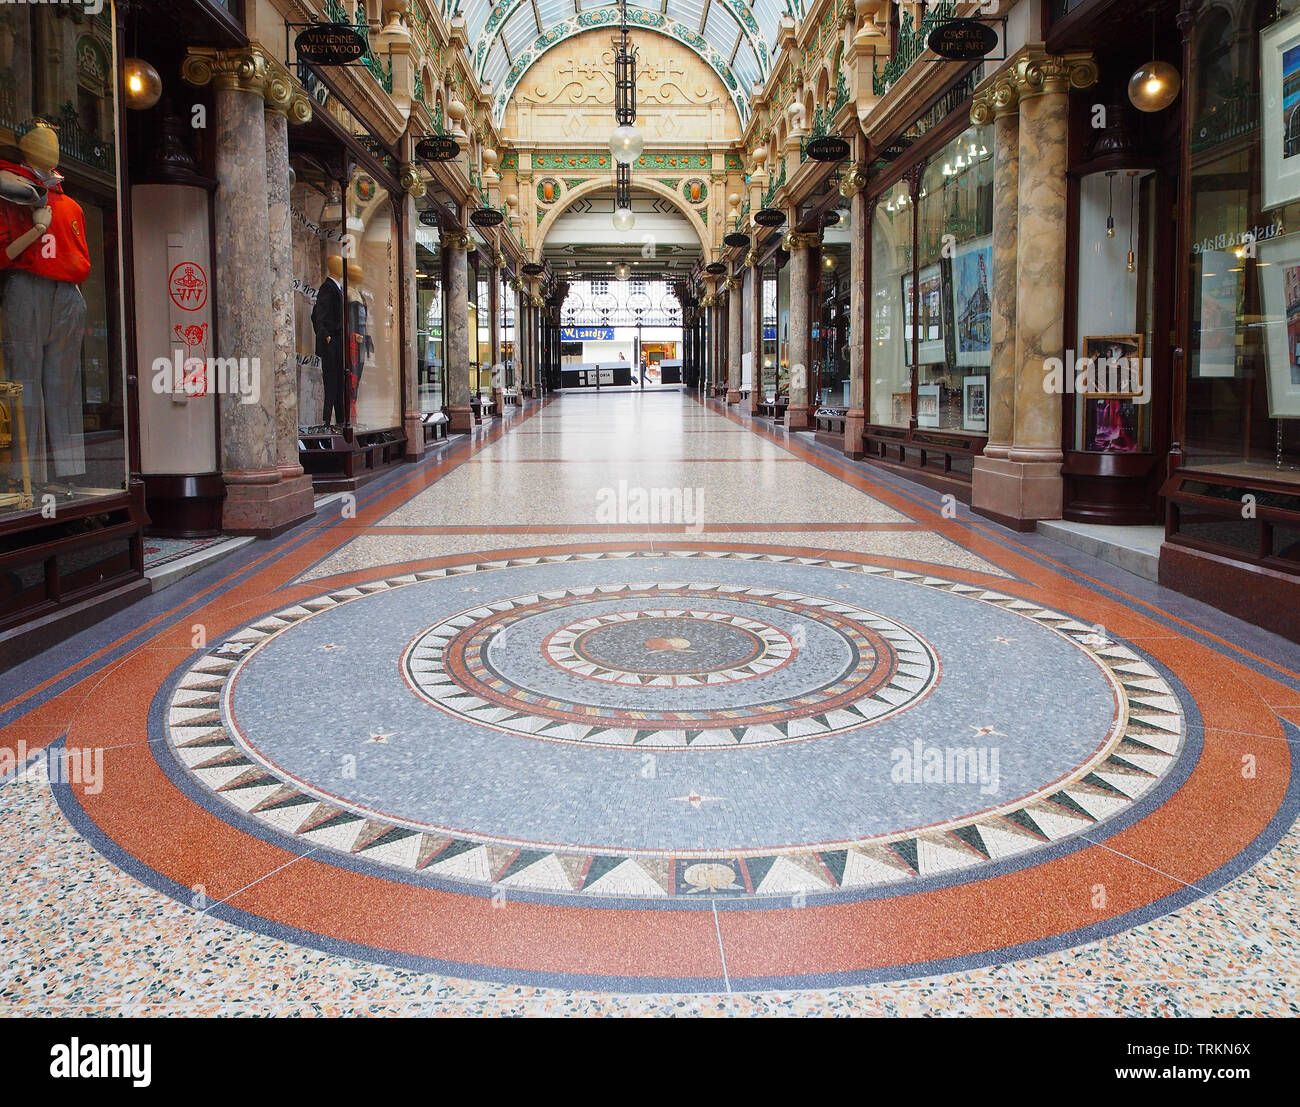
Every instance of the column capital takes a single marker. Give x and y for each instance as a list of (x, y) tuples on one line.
[(853, 181), (751, 258), (248, 69), (797, 240), (411, 180), (458, 240), (1037, 72), (1001, 97)]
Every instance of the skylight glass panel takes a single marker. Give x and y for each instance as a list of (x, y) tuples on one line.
[(721, 30), (520, 29), (745, 67), (768, 14), (475, 13), (689, 12), (554, 11), (497, 65)]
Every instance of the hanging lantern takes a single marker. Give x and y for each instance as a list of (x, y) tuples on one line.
[(141, 85)]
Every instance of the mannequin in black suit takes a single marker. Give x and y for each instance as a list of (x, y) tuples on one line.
[(327, 322)]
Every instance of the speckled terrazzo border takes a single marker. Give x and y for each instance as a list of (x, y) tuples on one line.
[(1056, 820)]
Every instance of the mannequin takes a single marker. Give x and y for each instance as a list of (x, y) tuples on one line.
[(327, 322), (359, 343), (44, 258)]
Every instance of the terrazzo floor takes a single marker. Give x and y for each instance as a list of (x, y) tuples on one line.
[(629, 705)]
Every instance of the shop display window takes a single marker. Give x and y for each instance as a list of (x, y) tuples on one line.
[(891, 277), (345, 246), (831, 317), (783, 329), (482, 333), (430, 315), (1116, 283), (768, 363), (506, 329), (62, 381), (1242, 415)]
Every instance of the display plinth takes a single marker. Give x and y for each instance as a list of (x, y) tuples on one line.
[(335, 464)]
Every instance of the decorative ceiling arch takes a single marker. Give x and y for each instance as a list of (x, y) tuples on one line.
[(605, 17), (639, 184), (503, 13)]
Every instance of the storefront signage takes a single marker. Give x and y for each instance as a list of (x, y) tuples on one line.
[(327, 233), (187, 284), (715, 268), (430, 218), (304, 289), (329, 44), (828, 148), (735, 238), (769, 217), (586, 334), (533, 268), (486, 217), (962, 40), (437, 148), (1237, 238), (309, 361)]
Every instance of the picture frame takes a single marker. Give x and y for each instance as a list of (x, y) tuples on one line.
[(1279, 47), (927, 405), (1114, 425), (1103, 347), (1280, 297), (975, 403), (932, 347), (901, 408), (972, 302)]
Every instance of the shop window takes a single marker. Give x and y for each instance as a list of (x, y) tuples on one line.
[(430, 316), (1114, 312), (770, 356), (891, 290), (62, 382), (783, 330), (1242, 414)]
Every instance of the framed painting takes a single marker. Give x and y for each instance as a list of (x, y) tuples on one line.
[(972, 302), (974, 403), (1279, 48), (1280, 293)]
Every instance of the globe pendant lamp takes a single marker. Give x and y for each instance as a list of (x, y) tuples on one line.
[(141, 85), (626, 144), (1154, 85), (624, 220)]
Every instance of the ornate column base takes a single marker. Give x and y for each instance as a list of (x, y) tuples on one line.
[(411, 423), (1017, 493), (462, 419), (796, 417), (733, 395), (855, 423), (288, 472), (263, 503)]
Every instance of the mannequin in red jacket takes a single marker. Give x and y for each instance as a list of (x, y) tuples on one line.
[(44, 255)]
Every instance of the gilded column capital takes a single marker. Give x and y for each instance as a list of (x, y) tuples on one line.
[(751, 258), (1000, 98), (516, 284), (458, 240), (797, 240), (853, 181), (730, 284), (1036, 72), (248, 69), (411, 180), (499, 260)]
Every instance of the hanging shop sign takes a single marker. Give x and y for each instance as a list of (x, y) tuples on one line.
[(769, 217), (828, 148), (715, 268), (963, 40), (486, 217), (329, 44), (437, 148), (586, 334), (735, 238), (533, 268), (429, 217)]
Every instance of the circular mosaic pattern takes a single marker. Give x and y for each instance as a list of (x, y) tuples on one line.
[(1141, 744), (479, 665), (662, 649)]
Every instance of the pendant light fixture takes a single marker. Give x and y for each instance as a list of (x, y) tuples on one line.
[(1155, 84), (141, 86), (625, 143), (1132, 218), (1110, 209)]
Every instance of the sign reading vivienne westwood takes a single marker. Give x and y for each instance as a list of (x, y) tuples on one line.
[(329, 44), (328, 233)]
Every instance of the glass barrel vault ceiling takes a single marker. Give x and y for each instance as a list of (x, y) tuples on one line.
[(741, 31)]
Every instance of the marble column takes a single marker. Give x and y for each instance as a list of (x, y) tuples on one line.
[(459, 412), (261, 496), (280, 252), (735, 337), (801, 248), (860, 214), (1025, 483), (410, 308)]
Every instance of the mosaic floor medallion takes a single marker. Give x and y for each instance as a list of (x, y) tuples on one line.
[(745, 726), (481, 665)]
